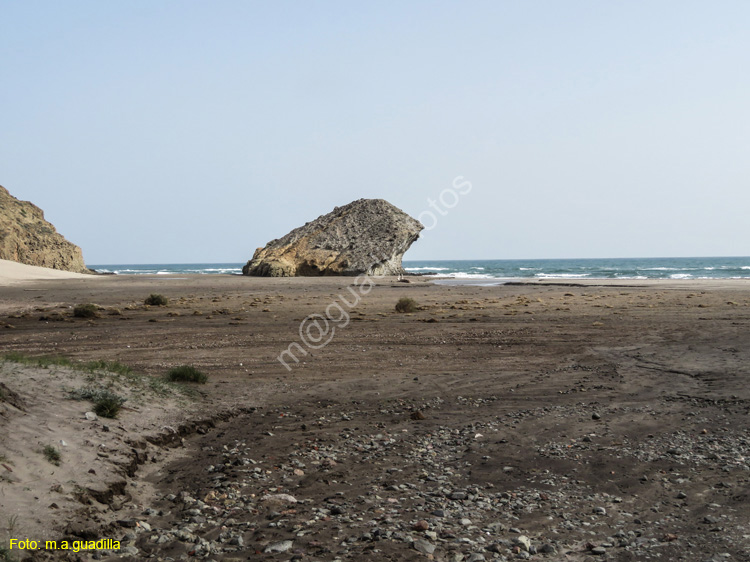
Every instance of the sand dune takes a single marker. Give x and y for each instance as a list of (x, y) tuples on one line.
[(13, 272)]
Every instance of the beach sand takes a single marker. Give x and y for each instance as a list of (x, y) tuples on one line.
[(599, 420), (13, 273)]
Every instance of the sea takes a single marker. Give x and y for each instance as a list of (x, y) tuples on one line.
[(500, 271)]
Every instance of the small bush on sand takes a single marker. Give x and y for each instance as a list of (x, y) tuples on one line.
[(52, 455), (156, 300), (108, 405), (186, 373), (406, 304), (86, 311)]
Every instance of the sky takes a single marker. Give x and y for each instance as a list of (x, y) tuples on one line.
[(191, 131)]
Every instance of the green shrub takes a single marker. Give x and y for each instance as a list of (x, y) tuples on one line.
[(406, 304), (156, 300), (108, 406), (86, 311), (52, 455), (186, 373)]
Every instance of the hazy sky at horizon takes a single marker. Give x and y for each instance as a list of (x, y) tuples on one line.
[(187, 131)]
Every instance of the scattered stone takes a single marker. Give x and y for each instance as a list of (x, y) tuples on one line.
[(279, 498), (423, 546), (523, 542), (282, 546)]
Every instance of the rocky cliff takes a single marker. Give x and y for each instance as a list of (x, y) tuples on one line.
[(365, 236), (25, 237)]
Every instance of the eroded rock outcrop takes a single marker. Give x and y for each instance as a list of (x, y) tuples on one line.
[(26, 237), (365, 236)]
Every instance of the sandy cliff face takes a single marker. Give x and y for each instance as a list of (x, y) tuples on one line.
[(365, 236), (25, 237)]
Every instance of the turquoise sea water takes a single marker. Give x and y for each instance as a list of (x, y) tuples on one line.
[(492, 270)]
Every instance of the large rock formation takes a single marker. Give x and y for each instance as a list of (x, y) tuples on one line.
[(365, 236), (25, 237)]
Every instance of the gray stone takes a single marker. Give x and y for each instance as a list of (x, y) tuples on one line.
[(282, 546), (424, 546), (522, 542)]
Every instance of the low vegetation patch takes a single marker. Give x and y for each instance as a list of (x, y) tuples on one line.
[(88, 366), (5, 555), (106, 381), (109, 366), (405, 304), (52, 454), (186, 373), (156, 300), (87, 310), (108, 406)]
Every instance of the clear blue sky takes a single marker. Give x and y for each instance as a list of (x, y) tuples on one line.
[(192, 131)]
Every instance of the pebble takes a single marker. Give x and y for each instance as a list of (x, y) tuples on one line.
[(282, 546), (279, 498), (421, 525), (424, 546), (522, 542)]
